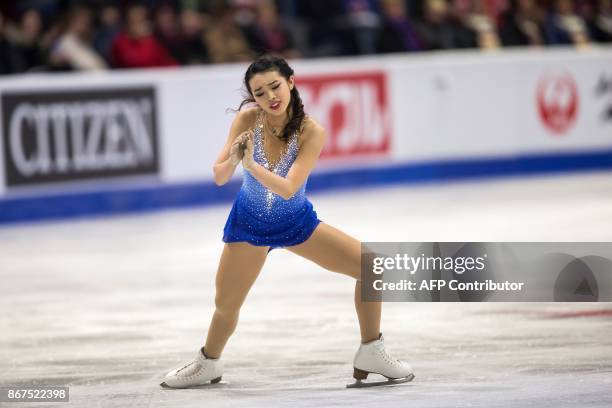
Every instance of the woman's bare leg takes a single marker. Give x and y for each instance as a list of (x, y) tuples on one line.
[(239, 266), (338, 252)]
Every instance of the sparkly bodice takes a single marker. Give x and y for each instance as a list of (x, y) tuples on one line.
[(259, 200)]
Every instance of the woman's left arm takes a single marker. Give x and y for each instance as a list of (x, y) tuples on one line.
[(314, 140)]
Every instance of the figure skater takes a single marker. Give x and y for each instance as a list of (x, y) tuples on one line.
[(278, 146)]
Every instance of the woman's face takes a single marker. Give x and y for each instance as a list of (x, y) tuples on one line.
[(271, 91)]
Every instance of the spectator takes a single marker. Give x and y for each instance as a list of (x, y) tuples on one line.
[(398, 33), (73, 49), (291, 15), (32, 37), (360, 26), (10, 59), (136, 46), (563, 26), (269, 34), (324, 38), (244, 12), (110, 27), (27, 39), (168, 32), (192, 26), (475, 17), (522, 24), (438, 31), (224, 40), (600, 25)]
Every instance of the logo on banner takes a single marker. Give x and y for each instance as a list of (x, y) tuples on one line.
[(603, 89), (557, 100), (354, 108), (79, 134)]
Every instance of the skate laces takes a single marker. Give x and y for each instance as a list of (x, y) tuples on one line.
[(380, 346), (196, 367), (189, 372)]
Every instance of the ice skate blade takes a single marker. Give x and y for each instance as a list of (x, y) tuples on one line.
[(389, 381), (214, 381)]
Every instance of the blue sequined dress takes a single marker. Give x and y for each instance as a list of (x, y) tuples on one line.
[(263, 218)]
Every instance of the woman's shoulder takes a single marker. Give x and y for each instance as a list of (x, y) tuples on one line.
[(311, 129), (247, 116)]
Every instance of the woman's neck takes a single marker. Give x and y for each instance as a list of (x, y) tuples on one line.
[(277, 121), (280, 120)]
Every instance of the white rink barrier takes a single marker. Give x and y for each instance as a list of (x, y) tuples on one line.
[(81, 143)]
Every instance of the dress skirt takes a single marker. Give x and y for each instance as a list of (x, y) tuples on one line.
[(282, 230)]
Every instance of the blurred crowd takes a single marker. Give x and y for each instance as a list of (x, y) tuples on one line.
[(60, 35)]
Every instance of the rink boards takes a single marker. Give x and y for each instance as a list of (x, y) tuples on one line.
[(80, 144)]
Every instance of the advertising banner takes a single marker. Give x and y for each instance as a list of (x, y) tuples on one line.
[(388, 119), (79, 134)]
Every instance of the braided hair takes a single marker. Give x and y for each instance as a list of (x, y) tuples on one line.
[(266, 63)]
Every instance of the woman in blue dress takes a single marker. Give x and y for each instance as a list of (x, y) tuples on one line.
[(278, 146)]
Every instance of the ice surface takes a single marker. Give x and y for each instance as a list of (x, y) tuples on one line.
[(106, 306)]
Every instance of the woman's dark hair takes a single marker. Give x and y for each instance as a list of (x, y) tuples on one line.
[(267, 63)]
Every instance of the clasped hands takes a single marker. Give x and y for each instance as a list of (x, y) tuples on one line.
[(242, 150)]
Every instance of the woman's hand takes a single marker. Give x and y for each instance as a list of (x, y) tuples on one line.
[(247, 156), (238, 147)]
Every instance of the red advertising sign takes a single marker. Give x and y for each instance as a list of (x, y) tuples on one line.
[(353, 108), (557, 101)]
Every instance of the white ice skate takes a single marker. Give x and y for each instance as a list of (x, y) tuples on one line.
[(373, 358), (201, 371)]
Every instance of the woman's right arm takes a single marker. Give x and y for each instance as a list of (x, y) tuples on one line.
[(223, 167)]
